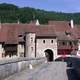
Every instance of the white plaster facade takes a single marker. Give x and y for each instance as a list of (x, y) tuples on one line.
[(30, 45), (41, 47), (78, 44), (20, 50), (78, 52), (1, 50), (37, 48)]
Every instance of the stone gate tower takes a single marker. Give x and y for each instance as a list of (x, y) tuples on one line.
[(30, 45)]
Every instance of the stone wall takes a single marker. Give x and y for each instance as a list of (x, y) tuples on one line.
[(41, 47), (30, 45), (1, 50), (20, 50), (11, 66)]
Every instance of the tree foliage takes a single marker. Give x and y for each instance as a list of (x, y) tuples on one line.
[(10, 13)]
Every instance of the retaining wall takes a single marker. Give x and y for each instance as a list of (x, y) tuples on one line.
[(11, 66)]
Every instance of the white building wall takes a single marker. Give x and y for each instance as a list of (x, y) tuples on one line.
[(1, 50), (30, 45), (20, 50), (78, 52), (41, 47), (79, 45)]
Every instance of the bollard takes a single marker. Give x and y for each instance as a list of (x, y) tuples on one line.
[(30, 66)]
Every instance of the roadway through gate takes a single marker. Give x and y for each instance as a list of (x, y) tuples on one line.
[(47, 71)]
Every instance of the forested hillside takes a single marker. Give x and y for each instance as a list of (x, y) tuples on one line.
[(10, 13)]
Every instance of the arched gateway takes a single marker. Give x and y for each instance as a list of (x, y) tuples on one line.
[(49, 54)]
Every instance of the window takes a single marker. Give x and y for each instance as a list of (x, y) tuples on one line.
[(51, 41), (67, 33), (20, 35), (70, 43), (43, 41), (59, 43), (63, 43), (31, 39)]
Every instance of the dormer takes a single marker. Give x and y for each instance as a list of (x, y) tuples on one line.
[(68, 33)]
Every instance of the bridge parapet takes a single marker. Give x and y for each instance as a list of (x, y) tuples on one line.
[(11, 66)]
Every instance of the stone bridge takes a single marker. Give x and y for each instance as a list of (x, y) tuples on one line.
[(36, 69)]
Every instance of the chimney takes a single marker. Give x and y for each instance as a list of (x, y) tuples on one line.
[(37, 22), (71, 23), (18, 22)]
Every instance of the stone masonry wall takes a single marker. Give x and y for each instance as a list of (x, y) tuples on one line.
[(30, 45), (11, 66), (41, 47)]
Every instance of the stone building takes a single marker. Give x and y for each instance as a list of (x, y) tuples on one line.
[(37, 40)]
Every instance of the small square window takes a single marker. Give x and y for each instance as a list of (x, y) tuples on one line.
[(51, 41), (70, 43), (31, 39), (43, 41), (63, 43)]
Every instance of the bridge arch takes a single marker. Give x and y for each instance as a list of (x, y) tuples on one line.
[(49, 54)]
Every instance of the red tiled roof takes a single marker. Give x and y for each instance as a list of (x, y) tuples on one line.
[(60, 26), (13, 31), (3, 33), (78, 31), (9, 33), (45, 31)]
